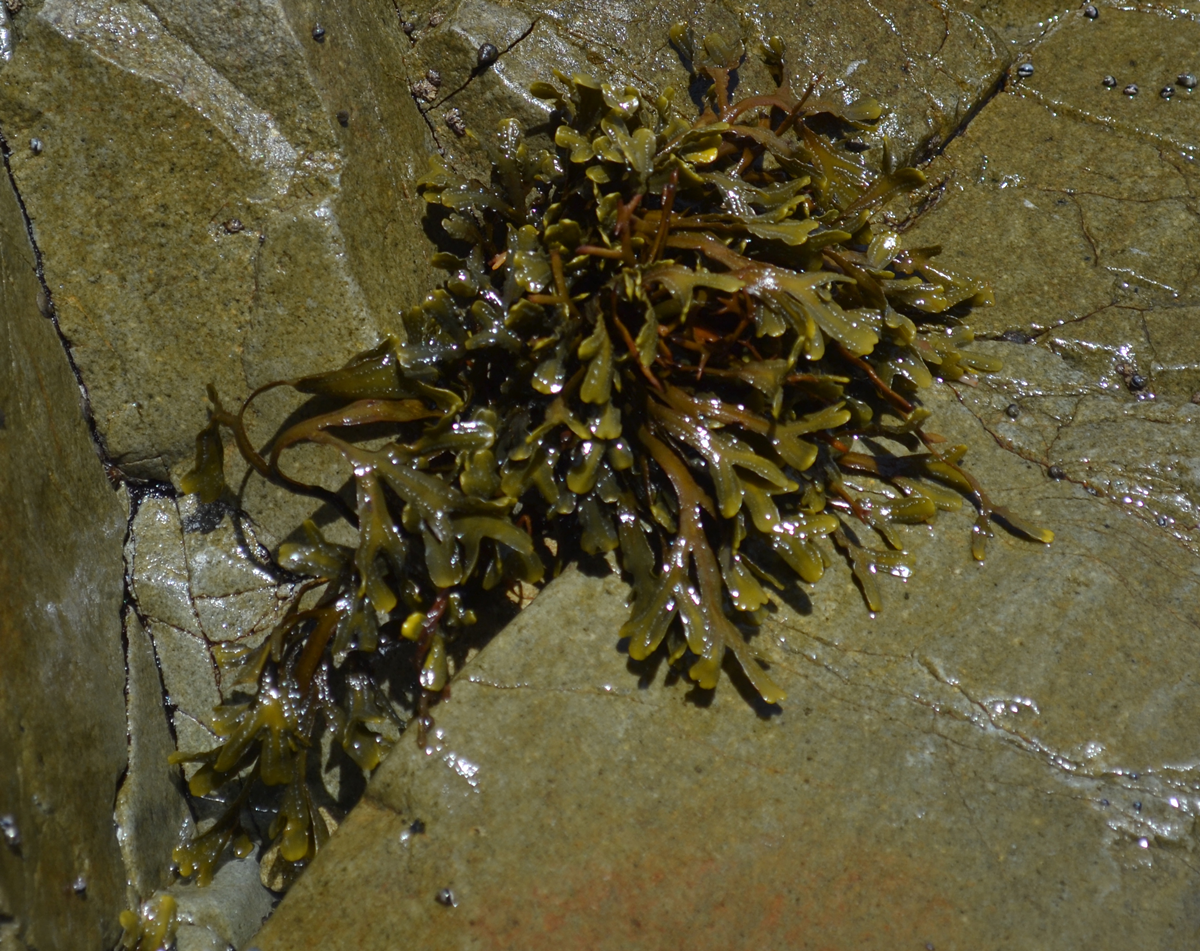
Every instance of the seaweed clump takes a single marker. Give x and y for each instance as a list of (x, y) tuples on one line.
[(659, 339)]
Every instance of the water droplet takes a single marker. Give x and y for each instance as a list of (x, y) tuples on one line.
[(12, 835)]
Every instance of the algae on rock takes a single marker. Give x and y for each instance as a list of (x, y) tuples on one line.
[(661, 340)]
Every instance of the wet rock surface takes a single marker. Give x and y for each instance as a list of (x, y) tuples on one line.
[(225, 913), (971, 768), (201, 579), (193, 177), (987, 763), (63, 745), (932, 65), (150, 808)]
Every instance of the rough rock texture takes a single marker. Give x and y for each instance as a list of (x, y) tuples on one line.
[(193, 178), (1085, 238), (987, 763), (1021, 22), (203, 215), (200, 578), (931, 64), (225, 913), (150, 808), (1004, 757), (62, 713)]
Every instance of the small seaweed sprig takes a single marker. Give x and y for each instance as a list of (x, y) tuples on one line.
[(659, 338)]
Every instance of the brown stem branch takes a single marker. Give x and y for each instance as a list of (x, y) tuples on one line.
[(886, 391)]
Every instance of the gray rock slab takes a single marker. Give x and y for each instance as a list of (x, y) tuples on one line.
[(150, 809), (201, 578), (1074, 199), (226, 912), (203, 215), (63, 744), (1021, 22)]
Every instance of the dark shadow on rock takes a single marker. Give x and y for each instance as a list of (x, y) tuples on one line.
[(207, 517), (698, 696), (737, 677), (646, 670)]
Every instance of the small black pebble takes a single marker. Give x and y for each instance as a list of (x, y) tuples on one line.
[(1163, 521), (488, 54), (343, 117), (1136, 776), (856, 146), (1109, 81), (417, 827), (1090, 12), (1055, 472), (1104, 802), (35, 146), (79, 886), (1137, 807), (1186, 80), (446, 897), (1012, 411), (1137, 382), (1130, 90), (1167, 92), (1025, 70), (319, 33)]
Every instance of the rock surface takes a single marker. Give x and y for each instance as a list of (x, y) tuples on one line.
[(985, 764), (63, 744), (150, 808), (229, 199), (193, 178), (932, 65), (202, 215), (1085, 240), (1004, 756), (226, 912), (201, 579)]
